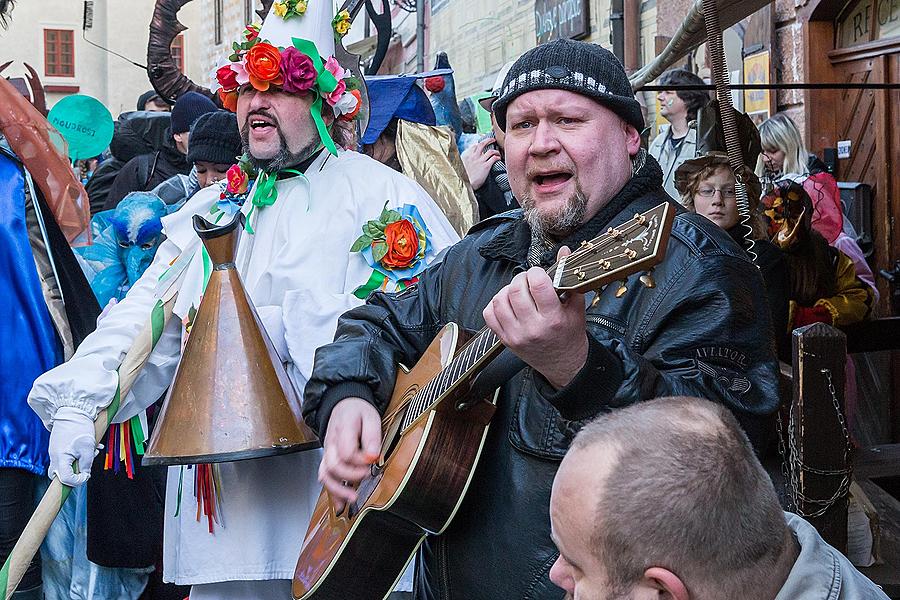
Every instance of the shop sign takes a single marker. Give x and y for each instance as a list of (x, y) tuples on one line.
[(869, 20), (556, 19)]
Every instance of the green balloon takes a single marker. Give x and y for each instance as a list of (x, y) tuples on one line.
[(85, 124)]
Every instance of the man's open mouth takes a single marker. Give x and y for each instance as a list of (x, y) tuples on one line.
[(260, 123), (551, 179)]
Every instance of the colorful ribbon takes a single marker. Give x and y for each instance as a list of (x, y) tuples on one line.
[(325, 82)]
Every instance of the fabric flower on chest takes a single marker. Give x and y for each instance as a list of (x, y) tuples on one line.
[(395, 246), (233, 191)]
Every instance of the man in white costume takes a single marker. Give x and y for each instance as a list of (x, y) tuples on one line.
[(297, 265)]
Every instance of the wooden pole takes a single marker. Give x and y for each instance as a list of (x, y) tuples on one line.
[(820, 450), (56, 495)]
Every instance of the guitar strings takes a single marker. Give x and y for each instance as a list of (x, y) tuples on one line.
[(452, 373)]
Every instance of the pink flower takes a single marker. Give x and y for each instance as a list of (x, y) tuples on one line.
[(241, 74), (335, 68), (335, 96), (298, 71)]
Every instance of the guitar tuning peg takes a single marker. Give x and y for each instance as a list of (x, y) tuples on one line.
[(595, 301), (647, 280), (623, 288)]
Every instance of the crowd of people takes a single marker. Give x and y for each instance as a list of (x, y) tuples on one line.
[(623, 457)]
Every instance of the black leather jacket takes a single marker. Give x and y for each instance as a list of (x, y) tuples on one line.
[(704, 330)]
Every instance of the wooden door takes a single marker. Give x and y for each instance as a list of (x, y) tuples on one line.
[(869, 119)]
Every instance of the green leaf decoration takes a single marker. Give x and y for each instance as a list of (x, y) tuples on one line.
[(235, 46), (361, 242), (352, 83), (373, 229), (388, 215), (379, 250)]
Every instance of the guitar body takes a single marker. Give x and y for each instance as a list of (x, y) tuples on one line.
[(433, 433), (415, 490)]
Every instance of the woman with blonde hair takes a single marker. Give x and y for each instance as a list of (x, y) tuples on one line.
[(785, 157)]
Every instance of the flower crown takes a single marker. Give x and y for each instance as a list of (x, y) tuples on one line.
[(294, 69)]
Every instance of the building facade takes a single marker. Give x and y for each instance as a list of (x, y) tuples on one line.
[(54, 38)]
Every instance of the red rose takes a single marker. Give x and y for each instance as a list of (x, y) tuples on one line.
[(403, 244), (263, 64), (251, 33), (435, 84), (227, 78), (237, 180)]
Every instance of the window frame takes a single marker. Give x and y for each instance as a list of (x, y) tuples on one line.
[(57, 54), (218, 8), (178, 43)]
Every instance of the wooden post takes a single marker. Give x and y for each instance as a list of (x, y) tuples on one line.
[(819, 437)]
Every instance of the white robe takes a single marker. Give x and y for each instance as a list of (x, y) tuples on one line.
[(300, 274)]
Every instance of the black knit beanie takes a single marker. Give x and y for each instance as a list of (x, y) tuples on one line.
[(188, 108), (215, 139), (580, 67)]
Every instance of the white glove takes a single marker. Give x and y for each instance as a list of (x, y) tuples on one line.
[(71, 439)]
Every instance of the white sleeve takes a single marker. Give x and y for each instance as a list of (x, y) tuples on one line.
[(89, 379)]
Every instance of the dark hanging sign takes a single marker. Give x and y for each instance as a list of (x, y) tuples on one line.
[(554, 19)]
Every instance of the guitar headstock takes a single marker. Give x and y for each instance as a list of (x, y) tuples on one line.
[(635, 245)]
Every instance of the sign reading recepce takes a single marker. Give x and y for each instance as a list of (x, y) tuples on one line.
[(556, 19)]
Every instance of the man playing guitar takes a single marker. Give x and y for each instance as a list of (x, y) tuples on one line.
[(699, 326)]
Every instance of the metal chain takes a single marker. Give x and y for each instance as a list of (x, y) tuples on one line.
[(792, 467)]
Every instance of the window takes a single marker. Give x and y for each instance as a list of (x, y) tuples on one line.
[(59, 53), (866, 21), (217, 20), (178, 51)]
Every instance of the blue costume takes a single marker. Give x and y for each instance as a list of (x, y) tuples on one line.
[(27, 336), (125, 242)]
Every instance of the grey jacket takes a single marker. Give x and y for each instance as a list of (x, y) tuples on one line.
[(670, 159), (821, 572)]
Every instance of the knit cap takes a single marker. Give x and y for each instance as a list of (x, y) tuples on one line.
[(188, 108), (580, 67), (215, 139)]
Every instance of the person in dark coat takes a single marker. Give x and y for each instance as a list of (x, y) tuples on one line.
[(145, 172), (702, 329), (485, 166), (215, 146), (136, 133), (151, 101)]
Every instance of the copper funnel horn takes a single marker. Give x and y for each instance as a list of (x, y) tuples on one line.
[(231, 398)]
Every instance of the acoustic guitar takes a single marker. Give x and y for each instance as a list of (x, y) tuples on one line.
[(433, 432)]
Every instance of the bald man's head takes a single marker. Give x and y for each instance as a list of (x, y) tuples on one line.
[(673, 482)]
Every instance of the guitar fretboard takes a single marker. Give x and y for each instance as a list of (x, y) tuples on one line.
[(480, 349), (615, 253)]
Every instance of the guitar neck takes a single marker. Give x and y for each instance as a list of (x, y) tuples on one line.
[(616, 253), (470, 360)]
